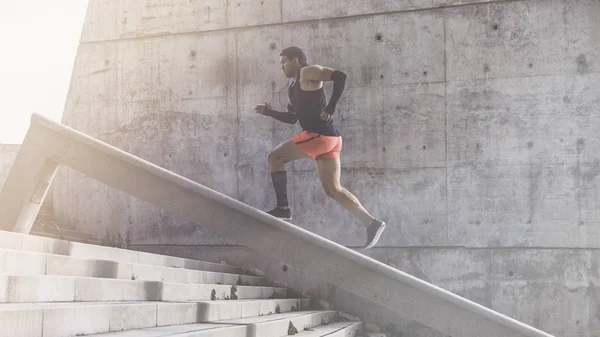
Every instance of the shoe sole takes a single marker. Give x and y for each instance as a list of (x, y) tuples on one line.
[(282, 218), (376, 237)]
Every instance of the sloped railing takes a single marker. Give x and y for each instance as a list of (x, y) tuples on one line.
[(49, 144)]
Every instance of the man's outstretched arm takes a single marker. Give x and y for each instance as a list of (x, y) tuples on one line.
[(287, 117), (320, 73)]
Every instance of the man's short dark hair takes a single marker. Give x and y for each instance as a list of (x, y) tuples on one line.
[(294, 51)]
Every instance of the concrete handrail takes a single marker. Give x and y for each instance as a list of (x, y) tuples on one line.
[(49, 144)]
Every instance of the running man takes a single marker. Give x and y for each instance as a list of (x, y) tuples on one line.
[(319, 140)]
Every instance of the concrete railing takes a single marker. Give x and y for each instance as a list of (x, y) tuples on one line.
[(49, 144)]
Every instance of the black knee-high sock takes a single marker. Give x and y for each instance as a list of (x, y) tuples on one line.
[(280, 185)]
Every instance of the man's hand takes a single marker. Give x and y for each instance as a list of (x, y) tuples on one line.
[(262, 107), (326, 116)]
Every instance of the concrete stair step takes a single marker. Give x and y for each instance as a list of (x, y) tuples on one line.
[(77, 319), (50, 288), (186, 330), (28, 263), (284, 324), (39, 244), (338, 329)]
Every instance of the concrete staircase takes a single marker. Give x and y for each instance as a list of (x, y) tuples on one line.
[(56, 288), (61, 288)]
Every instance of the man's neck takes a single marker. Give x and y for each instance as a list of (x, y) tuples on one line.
[(297, 75)]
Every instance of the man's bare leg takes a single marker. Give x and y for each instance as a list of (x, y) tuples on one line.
[(329, 171), (284, 153)]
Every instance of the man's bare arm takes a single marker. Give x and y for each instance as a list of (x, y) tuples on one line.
[(289, 117), (320, 73), (316, 73)]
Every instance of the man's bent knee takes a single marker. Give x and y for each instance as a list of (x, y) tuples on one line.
[(275, 160), (273, 157), (334, 191)]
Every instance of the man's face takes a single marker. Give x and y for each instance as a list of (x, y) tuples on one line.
[(288, 66)]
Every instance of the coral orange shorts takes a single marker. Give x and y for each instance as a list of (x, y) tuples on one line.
[(318, 146)]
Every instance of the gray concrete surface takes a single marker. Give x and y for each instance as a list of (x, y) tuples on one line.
[(8, 153), (377, 283), (308, 284), (472, 125), (471, 98), (532, 285), (26, 186), (87, 318)]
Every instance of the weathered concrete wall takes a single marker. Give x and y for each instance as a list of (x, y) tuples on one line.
[(8, 153), (467, 124)]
